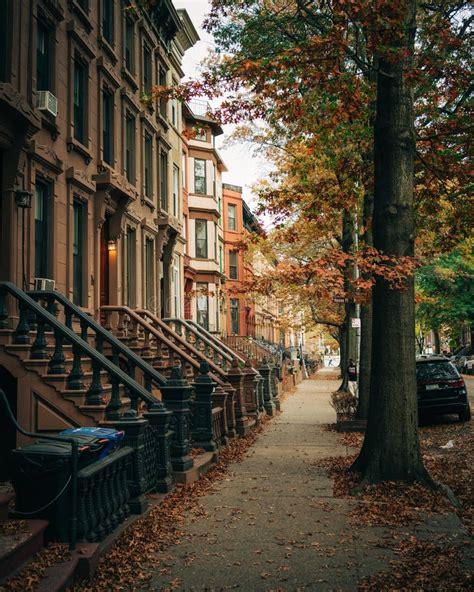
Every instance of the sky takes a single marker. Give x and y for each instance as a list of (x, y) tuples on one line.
[(244, 168)]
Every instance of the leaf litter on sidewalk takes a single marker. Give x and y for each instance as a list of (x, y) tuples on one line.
[(422, 565)]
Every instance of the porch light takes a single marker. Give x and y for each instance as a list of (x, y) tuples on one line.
[(111, 246), (23, 198)]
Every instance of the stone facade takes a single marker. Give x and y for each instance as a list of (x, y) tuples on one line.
[(105, 173)]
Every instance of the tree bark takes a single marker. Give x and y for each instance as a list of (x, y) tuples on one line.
[(365, 359), (391, 448), (437, 341)]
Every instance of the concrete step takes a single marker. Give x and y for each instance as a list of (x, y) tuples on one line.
[(19, 541)]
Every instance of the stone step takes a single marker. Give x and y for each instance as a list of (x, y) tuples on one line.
[(19, 541)]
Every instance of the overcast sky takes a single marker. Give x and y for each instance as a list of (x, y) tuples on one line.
[(244, 168)]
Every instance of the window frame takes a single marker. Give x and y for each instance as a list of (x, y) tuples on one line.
[(110, 148), (176, 176), (234, 306), (147, 68), (42, 260), (41, 22), (234, 276), (202, 241), (78, 292), (203, 177), (163, 168), (130, 147), (110, 35), (148, 165), (233, 226), (80, 127), (129, 256), (129, 45), (202, 297)]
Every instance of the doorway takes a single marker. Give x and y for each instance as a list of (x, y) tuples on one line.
[(8, 384)]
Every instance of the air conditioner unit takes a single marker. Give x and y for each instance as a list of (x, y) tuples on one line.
[(44, 284), (47, 102)]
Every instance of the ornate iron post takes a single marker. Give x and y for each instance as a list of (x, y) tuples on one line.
[(176, 397), (265, 372), (251, 380), (202, 419), (236, 379), (159, 435), (275, 379)]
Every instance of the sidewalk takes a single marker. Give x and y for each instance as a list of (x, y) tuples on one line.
[(273, 523)]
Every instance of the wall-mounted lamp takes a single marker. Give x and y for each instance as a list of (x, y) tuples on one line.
[(111, 246), (23, 198)]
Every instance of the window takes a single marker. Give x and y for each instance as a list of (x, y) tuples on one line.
[(129, 45), (80, 98), (146, 69), (129, 267), (215, 241), (43, 57), (147, 165), (233, 274), (177, 288), (200, 134), (231, 216), (164, 181), (78, 253), (42, 237), (107, 126), (214, 180), (202, 305), (175, 190), (234, 316), (108, 20), (201, 239), (199, 176), (5, 39), (174, 108), (149, 273), (221, 259), (130, 147), (162, 82)]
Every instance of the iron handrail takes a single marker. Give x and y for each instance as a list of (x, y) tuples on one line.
[(207, 337), (82, 345), (157, 334), (74, 466), (162, 326), (158, 378)]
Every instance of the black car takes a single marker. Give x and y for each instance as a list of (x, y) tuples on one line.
[(441, 389)]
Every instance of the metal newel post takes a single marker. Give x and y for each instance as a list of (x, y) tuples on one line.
[(202, 426), (265, 372), (236, 378), (74, 470), (176, 396)]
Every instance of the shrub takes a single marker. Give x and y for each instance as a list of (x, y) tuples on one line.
[(344, 403)]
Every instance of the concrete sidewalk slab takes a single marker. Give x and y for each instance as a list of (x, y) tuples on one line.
[(273, 523)]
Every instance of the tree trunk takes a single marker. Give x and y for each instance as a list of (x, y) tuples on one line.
[(365, 358), (437, 342), (350, 308), (391, 447)]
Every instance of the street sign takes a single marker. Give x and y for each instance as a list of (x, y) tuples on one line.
[(355, 323), (341, 299)]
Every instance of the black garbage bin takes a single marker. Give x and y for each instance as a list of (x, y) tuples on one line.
[(41, 476)]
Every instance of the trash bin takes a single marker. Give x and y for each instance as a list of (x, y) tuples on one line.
[(113, 437), (41, 476)]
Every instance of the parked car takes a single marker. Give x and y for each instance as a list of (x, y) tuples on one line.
[(440, 388), (469, 366)]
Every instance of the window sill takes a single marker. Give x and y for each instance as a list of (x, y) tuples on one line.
[(107, 49), (82, 14), (146, 201), (130, 78), (162, 120), (74, 145)]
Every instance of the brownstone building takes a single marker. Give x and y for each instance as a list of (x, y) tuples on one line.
[(101, 173)]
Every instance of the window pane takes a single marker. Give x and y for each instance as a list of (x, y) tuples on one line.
[(108, 20), (130, 263), (80, 102), (129, 45), (199, 176), (148, 169), (107, 126), (201, 239), (164, 181), (202, 305), (43, 58), (146, 69), (41, 229), (234, 315), (162, 82), (149, 273), (78, 254), (175, 190), (232, 217), (233, 265), (130, 148)]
